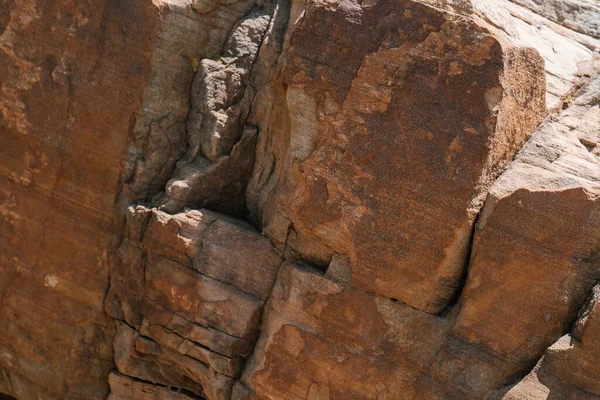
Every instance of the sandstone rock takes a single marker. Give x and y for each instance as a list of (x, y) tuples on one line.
[(219, 247), (124, 388), (378, 153), (579, 15), (208, 159), (371, 132), (160, 132), (71, 76), (532, 388), (201, 299), (209, 337), (142, 358), (534, 260), (562, 49), (535, 253), (321, 339), (171, 340), (569, 368), (191, 289)]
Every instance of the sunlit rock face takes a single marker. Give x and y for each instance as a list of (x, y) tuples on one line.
[(299, 199), (387, 142)]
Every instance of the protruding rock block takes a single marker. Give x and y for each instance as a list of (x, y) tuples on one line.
[(321, 339), (190, 288), (570, 367), (537, 243), (142, 358), (385, 143), (201, 299), (203, 240)]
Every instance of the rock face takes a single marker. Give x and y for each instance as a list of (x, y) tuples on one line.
[(299, 199), (189, 290), (67, 96), (554, 186)]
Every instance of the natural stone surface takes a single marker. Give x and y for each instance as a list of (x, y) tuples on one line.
[(299, 199), (533, 262), (321, 339), (67, 95), (374, 135), (553, 186), (196, 146), (569, 369), (579, 15), (124, 388), (562, 49), (160, 129), (190, 289)]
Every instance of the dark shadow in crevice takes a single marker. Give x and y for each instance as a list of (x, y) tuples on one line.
[(453, 302)]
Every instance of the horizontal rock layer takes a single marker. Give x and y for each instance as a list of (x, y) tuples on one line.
[(189, 289)]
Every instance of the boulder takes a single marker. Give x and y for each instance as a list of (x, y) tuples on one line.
[(381, 146)]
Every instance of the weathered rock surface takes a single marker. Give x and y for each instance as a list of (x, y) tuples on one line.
[(563, 162), (124, 388), (569, 369), (67, 95), (562, 49), (321, 339), (290, 199), (398, 131), (527, 281), (534, 261), (579, 15), (160, 137), (190, 290)]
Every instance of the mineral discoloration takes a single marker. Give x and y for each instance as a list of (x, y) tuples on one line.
[(378, 162), (299, 199)]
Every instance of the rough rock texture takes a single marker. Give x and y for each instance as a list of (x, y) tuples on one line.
[(569, 369), (579, 15), (321, 339), (554, 186), (378, 137), (299, 199), (189, 290), (562, 49), (67, 96), (193, 31), (124, 388), (563, 158)]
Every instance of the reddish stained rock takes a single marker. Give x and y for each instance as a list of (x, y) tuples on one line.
[(208, 337), (384, 144), (379, 129), (535, 254), (202, 299), (569, 368), (142, 358), (183, 327), (67, 95), (533, 263), (321, 339), (125, 388), (220, 247)]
